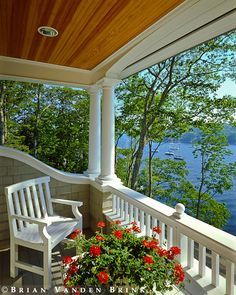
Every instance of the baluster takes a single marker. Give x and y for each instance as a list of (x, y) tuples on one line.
[(142, 220), (126, 211), (162, 234), (190, 259), (117, 205), (202, 260), (154, 223), (169, 236), (229, 277), (114, 209), (136, 214), (131, 212), (215, 273), (148, 224), (122, 209)]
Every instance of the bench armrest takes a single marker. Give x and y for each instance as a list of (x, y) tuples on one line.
[(67, 202), (74, 206), (32, 219)]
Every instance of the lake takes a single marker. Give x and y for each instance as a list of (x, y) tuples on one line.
[(185, 150)]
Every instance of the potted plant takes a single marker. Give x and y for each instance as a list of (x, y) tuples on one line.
[(122, 259)]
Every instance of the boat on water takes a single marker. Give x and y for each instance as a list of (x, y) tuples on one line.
[(178, 157), (169, 153)]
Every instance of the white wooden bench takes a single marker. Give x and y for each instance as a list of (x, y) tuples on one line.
[(34, 225)]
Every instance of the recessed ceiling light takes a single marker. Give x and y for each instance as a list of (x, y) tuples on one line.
[(47, 31)]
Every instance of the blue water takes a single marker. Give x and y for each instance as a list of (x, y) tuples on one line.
[(185, 150)]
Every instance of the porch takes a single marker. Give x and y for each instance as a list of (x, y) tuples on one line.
[(208, 254), (95, 53)]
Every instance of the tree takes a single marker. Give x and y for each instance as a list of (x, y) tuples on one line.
[(216, 176), (166, 99), (51, 123)]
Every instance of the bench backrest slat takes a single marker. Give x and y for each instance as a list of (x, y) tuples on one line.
[(42, 200), (36, 202)]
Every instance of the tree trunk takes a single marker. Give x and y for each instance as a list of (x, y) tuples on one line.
[(150, 169), (139, 153), (37, 118), (2, 114)]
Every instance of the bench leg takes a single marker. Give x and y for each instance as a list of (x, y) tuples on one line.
[(47, 267), (13, 259)]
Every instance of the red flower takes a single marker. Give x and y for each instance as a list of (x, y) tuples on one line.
[(66, 280), (136, 229), (103, 277), (179, 273), (118, 234), (157, 229), (101, 224), (153, 244), (67, 259), (175, 250), (74, 234), (95, 251), (100, 238), (72, 269), (161, 252), (117, 222), (172, 252), (148, 259), (128, 230)]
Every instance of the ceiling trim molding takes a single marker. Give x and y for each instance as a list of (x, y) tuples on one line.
[(204, 34), (185, 19), (38, 72)]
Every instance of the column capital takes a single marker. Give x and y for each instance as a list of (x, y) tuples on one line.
[(107, 82), (95, 88)]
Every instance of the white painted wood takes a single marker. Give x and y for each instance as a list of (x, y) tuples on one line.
[(148, 225), (230, 270), (40, 166), (131, 213), (162, 233), (169, 236), (190, 259), (185, 232), (42, 201), (215, 275), (126, 217), (122, 209), (142, 220), (114, 208), (136, 214), (44, 230), (94, 165), (202, 260)]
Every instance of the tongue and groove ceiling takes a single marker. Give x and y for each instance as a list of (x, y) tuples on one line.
[(89, 30)]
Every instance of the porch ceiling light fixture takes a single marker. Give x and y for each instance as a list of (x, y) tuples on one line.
[(47, 31)]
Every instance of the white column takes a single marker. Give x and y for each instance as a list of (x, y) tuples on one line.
[(94, 165), (108, 131)]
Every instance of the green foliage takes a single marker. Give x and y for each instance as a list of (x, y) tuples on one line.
[(51, 123)]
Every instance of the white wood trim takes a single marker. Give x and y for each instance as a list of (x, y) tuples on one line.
[(54, 173)]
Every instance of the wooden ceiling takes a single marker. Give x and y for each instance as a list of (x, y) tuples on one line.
[(89, 30)]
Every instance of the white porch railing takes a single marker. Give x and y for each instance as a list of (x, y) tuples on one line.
[(208, 254)]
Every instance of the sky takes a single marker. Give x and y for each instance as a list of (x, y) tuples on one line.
[(227, 88)]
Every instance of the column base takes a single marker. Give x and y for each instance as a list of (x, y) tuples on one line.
[(105, 179), (91, 173)]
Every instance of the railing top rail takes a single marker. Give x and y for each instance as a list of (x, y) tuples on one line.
[(213, 238)]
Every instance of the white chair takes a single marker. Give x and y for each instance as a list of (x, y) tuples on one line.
[(34, 225)]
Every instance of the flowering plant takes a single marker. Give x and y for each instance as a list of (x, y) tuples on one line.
[(122, 258)]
